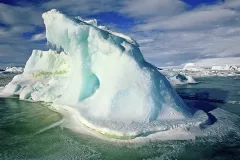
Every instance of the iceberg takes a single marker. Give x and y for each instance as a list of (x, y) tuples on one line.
[(225, 68), (176, 78), (102, 77), (13, 70), (192, 67), (179, 79)]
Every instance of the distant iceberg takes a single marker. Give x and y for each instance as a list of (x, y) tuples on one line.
[(102, 77), (192, 70), (13, 70), (178, 79), (192, 67), (225, 68)]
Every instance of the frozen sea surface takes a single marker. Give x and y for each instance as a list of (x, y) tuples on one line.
[(32, 131)]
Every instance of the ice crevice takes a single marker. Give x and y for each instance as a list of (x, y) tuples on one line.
[(102, 77)]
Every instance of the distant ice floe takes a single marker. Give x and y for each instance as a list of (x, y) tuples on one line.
[(12, 70), (194, 70), (225, 68)]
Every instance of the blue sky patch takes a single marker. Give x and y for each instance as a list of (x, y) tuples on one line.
[(23, 2)]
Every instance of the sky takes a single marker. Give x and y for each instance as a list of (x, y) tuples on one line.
[(170, 32)]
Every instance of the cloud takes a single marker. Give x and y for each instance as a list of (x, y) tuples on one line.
[(15, 15), (234, 4), (180, 46), (39, 37), (143, 41), (208, 31), (144, 9), (17, 22), (83, 7), (168, 31), (204, 17)]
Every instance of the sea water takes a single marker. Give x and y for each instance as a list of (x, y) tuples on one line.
[(32, 131)]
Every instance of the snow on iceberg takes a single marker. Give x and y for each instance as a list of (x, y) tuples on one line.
[(102, 77)]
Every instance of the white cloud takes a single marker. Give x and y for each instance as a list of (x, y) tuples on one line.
[(232, 4), (143, 8), (204, 17), (83, 7), (14, 46), (182, 46), (15, 15), (171, 34), (204, 32), (38, 37), (192, 20), (148, 40)]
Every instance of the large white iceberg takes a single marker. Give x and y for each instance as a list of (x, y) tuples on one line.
[(102, 77)]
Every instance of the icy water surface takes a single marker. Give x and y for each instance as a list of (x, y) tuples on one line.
[(212, 92), (32, 131)]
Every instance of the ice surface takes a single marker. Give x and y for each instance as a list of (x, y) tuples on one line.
[(48, 62), (102, 77)]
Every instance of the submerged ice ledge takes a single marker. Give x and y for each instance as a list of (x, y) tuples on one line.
[(129, 131), (103, 77)]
